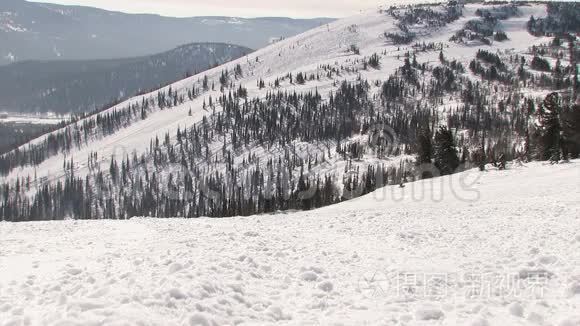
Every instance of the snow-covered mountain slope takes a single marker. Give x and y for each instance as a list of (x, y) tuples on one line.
[(494, 248), (326, 45), (65, 87), (321, 115)]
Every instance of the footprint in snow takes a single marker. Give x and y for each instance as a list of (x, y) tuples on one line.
[(428, 313), (309, 276), (74, 271), (325, 286), (516, 309), (480, 322)]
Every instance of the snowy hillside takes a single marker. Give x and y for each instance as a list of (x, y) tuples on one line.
[(65, 87), (332, 110), (494, 248)]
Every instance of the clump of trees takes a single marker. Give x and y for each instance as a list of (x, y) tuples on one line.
[(499, 12), (374, 61), (558, 131), (486, 28), (400, 37), (408, 16), (541, 64), (490, 58), (476, 30), (563, 17), (500, 36), (354, 49)]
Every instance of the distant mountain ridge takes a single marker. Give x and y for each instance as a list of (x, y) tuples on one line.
[(42, 31), (82, 86)]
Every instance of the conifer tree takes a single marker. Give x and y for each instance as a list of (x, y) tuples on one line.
[(549, 119), (571, 131), (424, 149), (445, 153)]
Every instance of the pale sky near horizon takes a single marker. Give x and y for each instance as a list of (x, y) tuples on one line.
[(239, 8)]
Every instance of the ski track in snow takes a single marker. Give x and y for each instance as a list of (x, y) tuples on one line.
[(363, 262)]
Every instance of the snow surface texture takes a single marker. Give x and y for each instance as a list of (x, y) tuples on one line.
[(492, 248)]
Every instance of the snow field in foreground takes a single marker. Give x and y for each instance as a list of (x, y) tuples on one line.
[(509, 256)]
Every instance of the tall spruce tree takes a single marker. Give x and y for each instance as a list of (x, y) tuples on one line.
[(571, 131), (445, 152), (549, 119), (424, 146), (424, 151)]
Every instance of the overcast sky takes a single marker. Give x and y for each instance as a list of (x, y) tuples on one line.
[(240, 8)]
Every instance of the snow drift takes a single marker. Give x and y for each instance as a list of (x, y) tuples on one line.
[(493, 248)]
